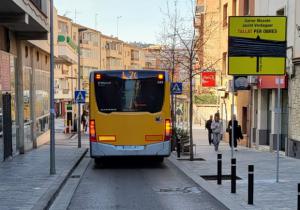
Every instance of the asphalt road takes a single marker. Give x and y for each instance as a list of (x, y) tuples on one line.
[(139, 185)]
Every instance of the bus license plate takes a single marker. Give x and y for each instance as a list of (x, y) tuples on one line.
[(130, 148)]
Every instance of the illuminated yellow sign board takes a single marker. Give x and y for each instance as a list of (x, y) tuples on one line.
[(257, 45)]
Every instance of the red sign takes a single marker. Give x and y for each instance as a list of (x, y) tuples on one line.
[(271, 82), (208, 79)]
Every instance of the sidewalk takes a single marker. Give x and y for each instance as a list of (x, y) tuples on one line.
[(268, 195), (25, 182)]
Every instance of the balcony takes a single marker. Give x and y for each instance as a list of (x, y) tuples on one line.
[(65, 94), (113, 54), (67, 51), (28, 18)]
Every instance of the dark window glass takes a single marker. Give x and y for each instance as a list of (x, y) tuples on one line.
[(246, 7), (225, 14), (133, 92)]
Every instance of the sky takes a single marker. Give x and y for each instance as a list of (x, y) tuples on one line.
[(141, 20)]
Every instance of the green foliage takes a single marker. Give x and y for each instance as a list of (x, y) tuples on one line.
[(206, 99), (180, 133)]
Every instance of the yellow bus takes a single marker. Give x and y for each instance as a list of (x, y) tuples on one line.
[(130, 114)]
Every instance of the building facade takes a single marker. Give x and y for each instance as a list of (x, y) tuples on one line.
[(264, 93), (24, 66), (212, 29), (66, 64)]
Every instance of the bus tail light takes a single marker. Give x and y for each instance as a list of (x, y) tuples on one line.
[(168, 129), (93, 131), (98, 76), (160, 76)]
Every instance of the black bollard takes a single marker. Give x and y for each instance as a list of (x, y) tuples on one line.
[(298, 196), (233, 175), (250, 184), (219, 169), (178, 146)]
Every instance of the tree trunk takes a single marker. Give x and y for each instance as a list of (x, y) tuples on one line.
[(191, 112)]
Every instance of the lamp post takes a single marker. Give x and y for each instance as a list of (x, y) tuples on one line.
[(78, 87), (118, 18), (52, 112)]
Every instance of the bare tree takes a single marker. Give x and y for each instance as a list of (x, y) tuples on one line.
[(182, 45)]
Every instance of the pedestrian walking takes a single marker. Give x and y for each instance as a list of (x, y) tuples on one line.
[(208, 127), (217, 130), (237, 134), (75, 123), (83, 120)]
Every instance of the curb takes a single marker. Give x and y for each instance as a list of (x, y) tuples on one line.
[(228, 201), (49, 196)]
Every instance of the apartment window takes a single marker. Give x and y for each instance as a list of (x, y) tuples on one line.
[(46, 59), (225, 14), (224, 62), (234, 8), (26, 52), (63, 27), (280, 12), (246, 7), (74, 36), (37, 56)]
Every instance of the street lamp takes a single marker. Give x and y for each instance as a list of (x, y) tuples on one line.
[(118, 18), (52, 112), (78, 86)]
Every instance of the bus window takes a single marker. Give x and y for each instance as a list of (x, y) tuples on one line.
[(116, 93)]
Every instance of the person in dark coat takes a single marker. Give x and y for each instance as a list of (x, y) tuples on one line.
[(236, 132), (208, 127), (83, 120)]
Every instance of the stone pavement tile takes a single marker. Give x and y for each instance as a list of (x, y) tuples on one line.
[(268, 193), (25, 179)]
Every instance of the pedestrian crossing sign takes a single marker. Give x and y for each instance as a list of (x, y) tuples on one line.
[(80, 96), (176, 88)]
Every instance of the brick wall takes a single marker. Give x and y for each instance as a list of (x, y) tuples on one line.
[(294, 102)]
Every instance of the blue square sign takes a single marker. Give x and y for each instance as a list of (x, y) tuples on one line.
[(80, 96), (176, 88)]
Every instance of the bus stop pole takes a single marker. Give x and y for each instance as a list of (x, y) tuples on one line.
[(278, 81)]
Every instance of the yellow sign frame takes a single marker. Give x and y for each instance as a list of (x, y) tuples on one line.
[(257, 45)]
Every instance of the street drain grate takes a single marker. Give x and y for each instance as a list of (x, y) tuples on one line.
[(75, 176), (184, 190), (215, 177), (188, 159)]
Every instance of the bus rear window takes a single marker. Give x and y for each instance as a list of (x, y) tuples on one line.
[(140, 92)]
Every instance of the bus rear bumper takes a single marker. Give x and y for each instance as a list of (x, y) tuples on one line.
[(106, 150)]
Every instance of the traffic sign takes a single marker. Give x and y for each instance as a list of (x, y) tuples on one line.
[(80, 96), (176, 88), (257, 45)]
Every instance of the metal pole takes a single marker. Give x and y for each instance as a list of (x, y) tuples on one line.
[(52, 111), (78, 88), (219, 169), (118, 18), (250, 184), (233, 175), (232, 119), (278, 126), (298, 196)]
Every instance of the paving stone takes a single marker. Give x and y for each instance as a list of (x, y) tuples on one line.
[(25, 178), (268, 193)]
